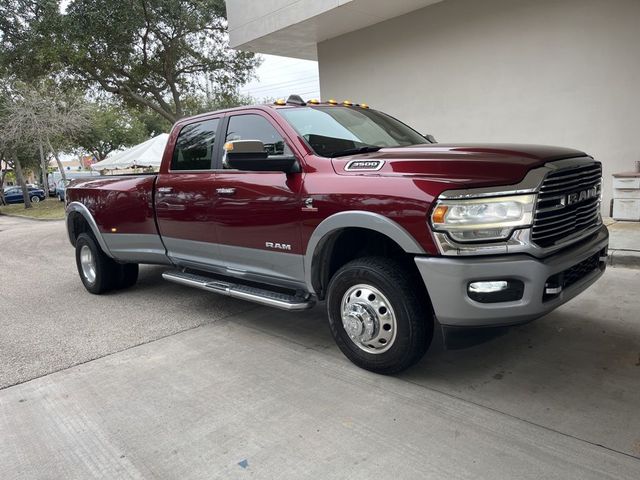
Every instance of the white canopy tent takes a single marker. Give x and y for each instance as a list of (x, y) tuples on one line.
[(146, 154)]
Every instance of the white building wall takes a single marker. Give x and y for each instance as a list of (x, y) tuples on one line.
[(559, 72)]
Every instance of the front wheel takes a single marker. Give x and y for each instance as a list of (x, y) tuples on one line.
[(35, 199), (376, 316)]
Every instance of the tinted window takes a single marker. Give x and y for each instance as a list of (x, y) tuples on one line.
[(255, 127), (195, 146), (330, 130)]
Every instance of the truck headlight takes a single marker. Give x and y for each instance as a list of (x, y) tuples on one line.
[(483, 219)]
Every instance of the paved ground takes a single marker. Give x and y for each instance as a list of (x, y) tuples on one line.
[(261, 393)]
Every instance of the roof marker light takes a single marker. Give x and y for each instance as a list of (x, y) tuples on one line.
[(280, 101), (347, 103), (363, 105), (314, 101), (332, 102)]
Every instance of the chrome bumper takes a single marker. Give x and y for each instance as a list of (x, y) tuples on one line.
[(447, 280)]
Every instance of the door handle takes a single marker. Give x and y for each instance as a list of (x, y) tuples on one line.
[(225, 191), (165, 189)]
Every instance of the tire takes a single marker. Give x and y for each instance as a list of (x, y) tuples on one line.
[(35, 199), (98, 272), (403, 322), (127, 275)]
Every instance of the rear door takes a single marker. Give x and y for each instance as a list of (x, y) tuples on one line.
[(257, 214), (185, 196)]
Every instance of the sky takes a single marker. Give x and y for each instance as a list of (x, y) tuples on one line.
[(279, 77)]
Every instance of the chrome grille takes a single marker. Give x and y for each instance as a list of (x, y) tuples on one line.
[(568, 204)]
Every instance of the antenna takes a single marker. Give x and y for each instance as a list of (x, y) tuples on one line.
[(296, 100)]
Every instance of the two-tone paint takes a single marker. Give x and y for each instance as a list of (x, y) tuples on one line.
[(228, 221)]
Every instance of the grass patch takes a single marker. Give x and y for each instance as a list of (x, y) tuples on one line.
[(51, 209)]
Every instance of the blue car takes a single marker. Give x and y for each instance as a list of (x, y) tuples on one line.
[(60, 188), (14, 195)]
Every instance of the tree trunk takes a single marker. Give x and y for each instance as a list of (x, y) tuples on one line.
[(43, 167), (3, 173), (55, 154), (21, 182)]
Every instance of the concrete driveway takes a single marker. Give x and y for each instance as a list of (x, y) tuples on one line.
[(161, 381)]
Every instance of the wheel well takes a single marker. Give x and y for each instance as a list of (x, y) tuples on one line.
[(77, 224), (343, 245)]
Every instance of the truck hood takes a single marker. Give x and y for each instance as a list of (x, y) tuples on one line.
[(471, 165)]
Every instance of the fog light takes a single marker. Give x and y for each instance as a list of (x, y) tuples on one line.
[(488, 287), (495, 291)]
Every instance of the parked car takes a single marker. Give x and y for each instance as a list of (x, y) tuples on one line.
[(300, 201), (60, 188), (14, 195), (52, 188)]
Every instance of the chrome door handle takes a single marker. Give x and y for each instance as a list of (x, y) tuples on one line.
[(165, 189), (225, 191)]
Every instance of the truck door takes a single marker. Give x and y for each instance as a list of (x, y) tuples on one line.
[(185, 196), (257, 214)]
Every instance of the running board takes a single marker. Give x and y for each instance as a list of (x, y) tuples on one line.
[(243, 292)]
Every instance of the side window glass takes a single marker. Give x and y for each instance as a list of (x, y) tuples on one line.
[(195, 146), (256, 127)]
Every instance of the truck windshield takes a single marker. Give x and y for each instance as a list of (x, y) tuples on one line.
[(335, 131)]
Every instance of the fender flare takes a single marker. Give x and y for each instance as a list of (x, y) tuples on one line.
[(79, 208), (359, 219)]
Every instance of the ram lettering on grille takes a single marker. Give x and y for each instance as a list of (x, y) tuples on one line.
[(568, 204)]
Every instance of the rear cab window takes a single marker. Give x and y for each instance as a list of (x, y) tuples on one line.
[(195, 146)]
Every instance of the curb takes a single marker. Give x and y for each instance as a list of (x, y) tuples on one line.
[(624, 258), (31, 218)]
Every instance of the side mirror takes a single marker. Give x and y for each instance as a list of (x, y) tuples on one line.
[(250, 155), (430, 137)]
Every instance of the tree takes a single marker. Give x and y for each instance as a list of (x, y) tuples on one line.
[(153, 53), (27, 31), (110, 128), (45, 115)]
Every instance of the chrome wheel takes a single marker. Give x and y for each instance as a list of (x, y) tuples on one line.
[(35, 199), (368, 318), (88, 264)]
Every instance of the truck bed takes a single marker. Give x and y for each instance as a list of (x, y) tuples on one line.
[(123, 203)]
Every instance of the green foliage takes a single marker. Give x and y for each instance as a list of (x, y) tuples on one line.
[(110, 127), (216, 100), (28, 30), (153, 53)]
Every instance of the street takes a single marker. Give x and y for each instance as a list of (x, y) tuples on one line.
[(163, 381)]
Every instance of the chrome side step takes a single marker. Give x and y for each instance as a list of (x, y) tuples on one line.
[(243, 292)]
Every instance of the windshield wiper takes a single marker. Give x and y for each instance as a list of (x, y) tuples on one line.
[(354, 151)]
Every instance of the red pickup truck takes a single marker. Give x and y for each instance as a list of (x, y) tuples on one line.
[(295, 202)]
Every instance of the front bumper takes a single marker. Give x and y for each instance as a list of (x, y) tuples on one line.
[(447, 280)]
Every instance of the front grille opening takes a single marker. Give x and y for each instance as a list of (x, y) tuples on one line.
[(568, 204), (563, 280)]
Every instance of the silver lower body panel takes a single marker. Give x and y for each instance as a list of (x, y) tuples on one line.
[(447, 280)]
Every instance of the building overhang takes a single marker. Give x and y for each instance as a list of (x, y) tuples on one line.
[(293, 28)]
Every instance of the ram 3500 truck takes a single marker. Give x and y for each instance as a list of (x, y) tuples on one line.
[(296, 202)]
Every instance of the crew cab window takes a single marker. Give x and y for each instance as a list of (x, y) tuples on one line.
[(195, 146), (256, 127)]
